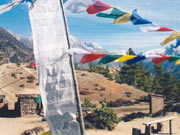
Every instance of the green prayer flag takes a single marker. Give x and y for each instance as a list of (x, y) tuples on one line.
[(109, 58), (173, 58), (115, 13), (37, 99)]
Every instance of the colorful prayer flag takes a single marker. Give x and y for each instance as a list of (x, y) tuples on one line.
[(158, 60), (38, 99), (155, 28), (78, 6), (177, 62), (46, 133), (91, 57), (6, 7), (123, 19), (109, 58), (172, 37), (177, 42), (125, 58), (64, 1), (137, 20), (33, 64), (151, 57), (97, 7), (136, 59), (173, 58), (114, 13)]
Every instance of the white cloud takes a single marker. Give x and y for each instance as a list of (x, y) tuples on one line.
[(162, 12), (137, 40)]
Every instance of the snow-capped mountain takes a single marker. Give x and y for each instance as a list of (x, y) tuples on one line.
[(88, 46), (168, 66), (169, 50), (155, 52), (118, 52), (26, 41), (75, 43)]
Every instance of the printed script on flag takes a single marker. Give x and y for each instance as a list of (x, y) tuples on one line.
[(53, 65)]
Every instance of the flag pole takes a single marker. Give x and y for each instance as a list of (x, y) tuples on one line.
[(73, 74)]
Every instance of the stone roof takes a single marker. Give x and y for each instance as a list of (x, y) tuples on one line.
[(27, 95)]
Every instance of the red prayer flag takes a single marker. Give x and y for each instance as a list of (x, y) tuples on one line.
[(164, 29), (33, 64), (97, 7), (160, 59), (91, 57)]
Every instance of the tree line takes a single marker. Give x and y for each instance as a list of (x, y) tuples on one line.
[(156, 81)]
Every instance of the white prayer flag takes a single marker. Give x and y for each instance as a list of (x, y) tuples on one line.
[(7, 7), (155, 27), (150, 28), (77, 6), (53, 66), (150, 57)]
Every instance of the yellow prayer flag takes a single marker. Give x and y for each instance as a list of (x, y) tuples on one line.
[(172, 37), (177, 62), (46, 133), (123, 19), (125, 58)]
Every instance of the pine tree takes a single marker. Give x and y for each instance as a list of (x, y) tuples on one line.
[(136, 75), (166, 84), (157, 87)]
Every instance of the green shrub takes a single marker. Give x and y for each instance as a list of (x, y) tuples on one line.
[(30, 81), (159, 113), (85, 92), (13, 75), (31, 77), (176, 108), (102, 118), (119, 102), (134, 116), (168, 108), (22, 85), (87, 103)]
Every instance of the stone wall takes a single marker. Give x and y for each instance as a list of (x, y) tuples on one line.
[(26, 104), (156, 103), (3, 105), (2, 97)]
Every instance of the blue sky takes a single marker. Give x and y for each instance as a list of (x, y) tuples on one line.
[(101, 30)]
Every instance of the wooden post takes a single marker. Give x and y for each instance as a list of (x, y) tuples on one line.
[(170, 126), (148, 130), (81, 121)]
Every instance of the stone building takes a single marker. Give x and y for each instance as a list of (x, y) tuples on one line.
[(26, 104)]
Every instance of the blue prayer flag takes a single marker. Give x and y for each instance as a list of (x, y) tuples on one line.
[(137, 20), (177, 42), (136, 59)]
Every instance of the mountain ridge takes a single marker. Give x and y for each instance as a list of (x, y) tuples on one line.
[(12, 50)]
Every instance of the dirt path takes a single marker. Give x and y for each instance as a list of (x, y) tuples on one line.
[(125, 128), (15, 126)]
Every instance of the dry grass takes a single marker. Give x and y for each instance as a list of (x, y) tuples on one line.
[(94, 82), (99, 87)]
